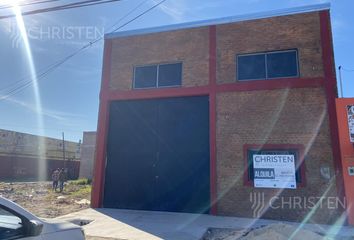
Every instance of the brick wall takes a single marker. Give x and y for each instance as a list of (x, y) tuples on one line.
[(88, 149), (284, 116), (287, 116), (20, 168), (17, 143), (189, 46), (300, 31)]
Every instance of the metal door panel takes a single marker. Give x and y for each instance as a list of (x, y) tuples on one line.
[(158, 155)]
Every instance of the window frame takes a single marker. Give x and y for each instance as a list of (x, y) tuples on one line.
[(24, 220), (146, 65), (157, 75), (299, 163), (266, 64)]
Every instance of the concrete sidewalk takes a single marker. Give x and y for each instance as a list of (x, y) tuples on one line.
[(146, 225)]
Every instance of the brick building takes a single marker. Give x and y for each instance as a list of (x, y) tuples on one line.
[(25, 156), (87, 154), (186, 109)]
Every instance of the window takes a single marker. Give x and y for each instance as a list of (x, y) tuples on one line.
[(170, 75), (251, 67), (11, 226), (160, 75), (267, 65), (145, 77)]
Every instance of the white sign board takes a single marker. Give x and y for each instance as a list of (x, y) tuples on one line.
[(274, 171), (350, 111)]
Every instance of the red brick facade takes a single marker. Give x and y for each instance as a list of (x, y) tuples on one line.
[(301, 32), (284, 111), (154, 48), (278, 117)]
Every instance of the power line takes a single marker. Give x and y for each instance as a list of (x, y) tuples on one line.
[(62, 61), (143, 13), (340, 80), (51, 67), (91, 43), (62, 7), (25, 4)]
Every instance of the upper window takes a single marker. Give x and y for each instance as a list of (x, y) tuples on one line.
[(160, 75), (267, 65)]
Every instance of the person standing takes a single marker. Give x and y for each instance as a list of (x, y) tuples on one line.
[(62, 179), (55, 179)]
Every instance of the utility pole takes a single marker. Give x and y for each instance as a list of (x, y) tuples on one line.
[(340, 80), (63, 149)]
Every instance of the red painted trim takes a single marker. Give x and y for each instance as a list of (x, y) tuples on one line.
[(102, 130), (271, 84), (331, 92), (213, 87), (157, 93), (212, 119), (300, 163)]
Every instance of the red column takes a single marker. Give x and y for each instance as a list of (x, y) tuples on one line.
[(212, 119), (102, 130), (331, 93)]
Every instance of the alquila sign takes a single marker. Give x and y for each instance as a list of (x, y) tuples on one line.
[(274, 171)]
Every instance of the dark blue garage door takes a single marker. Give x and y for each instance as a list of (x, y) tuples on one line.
[(158, 155)]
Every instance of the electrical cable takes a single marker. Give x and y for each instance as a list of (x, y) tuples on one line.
[(100, 38), (62, 7), (62, 61), (25, 4)]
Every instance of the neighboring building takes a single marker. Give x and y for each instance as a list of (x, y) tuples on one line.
[(87, 154), (233, 116), (345, 114), (26, 156)]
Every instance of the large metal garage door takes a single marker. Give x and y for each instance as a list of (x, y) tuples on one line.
[(158, 155)]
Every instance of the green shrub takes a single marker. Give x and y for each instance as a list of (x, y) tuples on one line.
[(81, 181)]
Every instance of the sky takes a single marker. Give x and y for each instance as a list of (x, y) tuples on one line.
[(70, 94)]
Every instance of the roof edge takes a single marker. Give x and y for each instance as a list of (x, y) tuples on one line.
[(223, 20)]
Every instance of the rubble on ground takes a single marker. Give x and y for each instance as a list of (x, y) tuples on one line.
[(281, 231), (278, 231), (40, 199), (83, 202)]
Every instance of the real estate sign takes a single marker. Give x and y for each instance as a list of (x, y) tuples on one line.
[(350, 111), (274, 171)]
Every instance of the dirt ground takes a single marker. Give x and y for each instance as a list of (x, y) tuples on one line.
[(278, 231), (40, 199)]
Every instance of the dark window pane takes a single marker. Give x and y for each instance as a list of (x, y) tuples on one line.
[(170, 75), (282, 64), (145, 77), (251, 67)]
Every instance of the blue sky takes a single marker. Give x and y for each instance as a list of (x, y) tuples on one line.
[(69, 95)]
